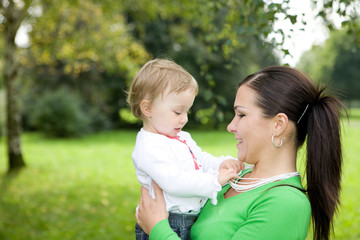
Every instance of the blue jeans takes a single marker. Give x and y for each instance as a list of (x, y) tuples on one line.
[(180, 223)]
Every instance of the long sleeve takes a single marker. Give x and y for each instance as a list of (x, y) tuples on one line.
[(170, 164), (281, 212), (177, 178), (163, 231)]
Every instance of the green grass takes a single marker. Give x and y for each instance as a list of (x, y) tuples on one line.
[(86, 188), (347, 224), (73, 189)]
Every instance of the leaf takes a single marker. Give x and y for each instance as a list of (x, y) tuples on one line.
[(292, 18), (207, 94)]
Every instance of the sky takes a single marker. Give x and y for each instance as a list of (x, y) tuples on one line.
[(314, 32)]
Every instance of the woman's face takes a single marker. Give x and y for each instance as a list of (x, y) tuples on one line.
[(252, 131)]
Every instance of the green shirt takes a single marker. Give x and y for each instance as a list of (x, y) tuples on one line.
[(278, 213)]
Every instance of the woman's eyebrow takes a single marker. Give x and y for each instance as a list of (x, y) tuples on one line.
[(236, 107)]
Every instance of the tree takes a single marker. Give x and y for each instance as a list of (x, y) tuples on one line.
[(219, 43), (83, 46), (79, 54), (14, 13), (226, 23), (337, 64), (347, 10), (345, 75)]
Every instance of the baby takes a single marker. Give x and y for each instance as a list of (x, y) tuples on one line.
[(161, 95)]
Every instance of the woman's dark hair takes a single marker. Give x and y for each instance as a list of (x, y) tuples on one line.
[(285, 90)]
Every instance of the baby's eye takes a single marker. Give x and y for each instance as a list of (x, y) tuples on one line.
[(177, 113)]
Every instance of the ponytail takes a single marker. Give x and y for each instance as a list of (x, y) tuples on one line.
[(324, 161)]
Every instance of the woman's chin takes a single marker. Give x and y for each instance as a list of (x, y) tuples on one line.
[(241, 158)]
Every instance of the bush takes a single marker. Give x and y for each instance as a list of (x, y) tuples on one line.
[(59, 113), (2, 123), (2, 113)]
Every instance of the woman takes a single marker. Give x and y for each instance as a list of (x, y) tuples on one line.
[(275, 110)]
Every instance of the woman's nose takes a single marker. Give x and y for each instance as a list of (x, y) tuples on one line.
[(230, 127)]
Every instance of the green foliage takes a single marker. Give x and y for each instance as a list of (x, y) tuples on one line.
[(2, 124), (216, 62), (2, 113), (79, 45), (345, 75), (2, 53), (80, 33), (346, 10), (97, 47), (60, 114), (126, 115), (99, 192), (229, 22), (337, 64)]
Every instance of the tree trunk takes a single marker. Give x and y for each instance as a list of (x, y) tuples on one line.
[(13, 18)]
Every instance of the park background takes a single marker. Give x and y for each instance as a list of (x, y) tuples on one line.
[(66, 66)]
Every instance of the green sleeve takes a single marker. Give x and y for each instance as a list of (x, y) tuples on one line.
[(163, 231), (277, 216)]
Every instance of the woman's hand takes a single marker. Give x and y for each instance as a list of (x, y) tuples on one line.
[(151, 211)]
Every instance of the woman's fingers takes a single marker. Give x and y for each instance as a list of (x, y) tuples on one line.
[(144, 194), (158, 192), (151, 211)]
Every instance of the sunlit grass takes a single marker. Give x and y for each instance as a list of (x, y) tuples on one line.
[(73, 189), (86, 188), (347, 223)]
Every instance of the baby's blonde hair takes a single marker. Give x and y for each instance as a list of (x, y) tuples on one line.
[(154, 78)]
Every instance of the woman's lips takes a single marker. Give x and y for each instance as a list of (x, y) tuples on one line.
[(240, 141)]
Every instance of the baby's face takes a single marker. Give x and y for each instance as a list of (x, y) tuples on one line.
[(169, 112)]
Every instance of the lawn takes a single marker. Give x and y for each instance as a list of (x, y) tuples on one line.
[(86, 188)]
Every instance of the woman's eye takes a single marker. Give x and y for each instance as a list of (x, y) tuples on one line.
[(241, 115)]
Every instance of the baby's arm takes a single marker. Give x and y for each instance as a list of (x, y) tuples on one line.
[(178, 181), (232, 164), (185, 183), (229, 169), (225, 175)]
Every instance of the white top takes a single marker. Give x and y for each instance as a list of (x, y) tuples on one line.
[(170, 164)]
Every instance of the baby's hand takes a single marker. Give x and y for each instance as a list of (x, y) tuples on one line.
[(225, 174), (232, 164)]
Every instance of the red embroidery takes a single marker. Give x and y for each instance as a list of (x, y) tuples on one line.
[(192, 154)]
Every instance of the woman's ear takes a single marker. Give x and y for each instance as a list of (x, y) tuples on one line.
[(145, 107), (281, 122)]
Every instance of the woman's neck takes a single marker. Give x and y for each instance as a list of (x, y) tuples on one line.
[(279, 162)]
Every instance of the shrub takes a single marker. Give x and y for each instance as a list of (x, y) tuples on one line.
[(2, 113), (59, 113)]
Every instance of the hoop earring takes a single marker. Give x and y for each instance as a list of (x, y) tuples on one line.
[(272, 141)]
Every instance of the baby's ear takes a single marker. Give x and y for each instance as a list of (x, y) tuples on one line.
[(145, 107)]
